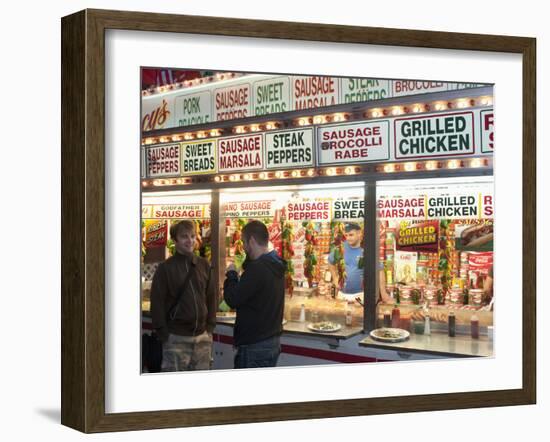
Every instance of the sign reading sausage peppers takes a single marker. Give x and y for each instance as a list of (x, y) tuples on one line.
[(232, 103), (198, 157), (354, 142), (434, 135), (312, 210), (163, 160), (240, 153), (290, 148)]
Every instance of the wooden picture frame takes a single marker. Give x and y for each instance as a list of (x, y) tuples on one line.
[(83, 215)]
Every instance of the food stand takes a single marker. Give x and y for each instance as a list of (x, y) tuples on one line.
[(409, 163)]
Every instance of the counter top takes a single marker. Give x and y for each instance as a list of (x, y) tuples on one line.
[(300, 328), (438, 344)]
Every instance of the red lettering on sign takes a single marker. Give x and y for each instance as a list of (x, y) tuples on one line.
[(310, 86), (488, 123), (411, 86), (156, 118)]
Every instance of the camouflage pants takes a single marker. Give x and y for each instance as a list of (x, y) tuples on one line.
[(183, 353)]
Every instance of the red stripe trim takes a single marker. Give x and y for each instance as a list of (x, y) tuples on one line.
[(308, 352), (324, 354), (301, 351)]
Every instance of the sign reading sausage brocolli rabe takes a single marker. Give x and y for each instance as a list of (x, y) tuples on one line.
[(354, 142)]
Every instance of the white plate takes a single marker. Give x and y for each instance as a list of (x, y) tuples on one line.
[(400, 334), (314, 327)]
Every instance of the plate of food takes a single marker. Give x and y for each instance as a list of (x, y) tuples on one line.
[(390, 334), (324, 326)]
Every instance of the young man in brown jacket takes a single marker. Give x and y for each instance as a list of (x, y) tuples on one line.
[(184, 327)]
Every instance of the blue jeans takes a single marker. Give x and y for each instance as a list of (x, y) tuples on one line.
[(260, 354)]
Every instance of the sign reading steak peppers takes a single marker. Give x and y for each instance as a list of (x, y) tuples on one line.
[(291, 148)]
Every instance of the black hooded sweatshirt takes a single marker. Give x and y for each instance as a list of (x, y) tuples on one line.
[(258, 297)]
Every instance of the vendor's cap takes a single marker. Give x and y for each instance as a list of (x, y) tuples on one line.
[(352, 226)]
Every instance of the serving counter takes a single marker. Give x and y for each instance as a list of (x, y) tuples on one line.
[(436, 345)]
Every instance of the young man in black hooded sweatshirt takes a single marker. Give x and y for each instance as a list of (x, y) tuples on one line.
[(258, 297)]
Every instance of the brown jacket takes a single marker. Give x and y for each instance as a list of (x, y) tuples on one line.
[(196, 310)]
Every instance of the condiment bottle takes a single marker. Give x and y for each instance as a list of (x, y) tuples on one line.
[(395, 317), (349, 317), (474, 326), (427, 330), (302, 313), (387, 318), (452, 324)]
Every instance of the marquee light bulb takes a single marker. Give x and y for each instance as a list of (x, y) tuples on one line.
[(339, 117), (396, 110), (319, 119), (431, 165), (476, 162)]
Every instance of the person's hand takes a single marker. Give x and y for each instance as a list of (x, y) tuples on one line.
[(231, 268)]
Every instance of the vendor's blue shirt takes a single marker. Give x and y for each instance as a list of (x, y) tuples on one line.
[(354, 275)]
